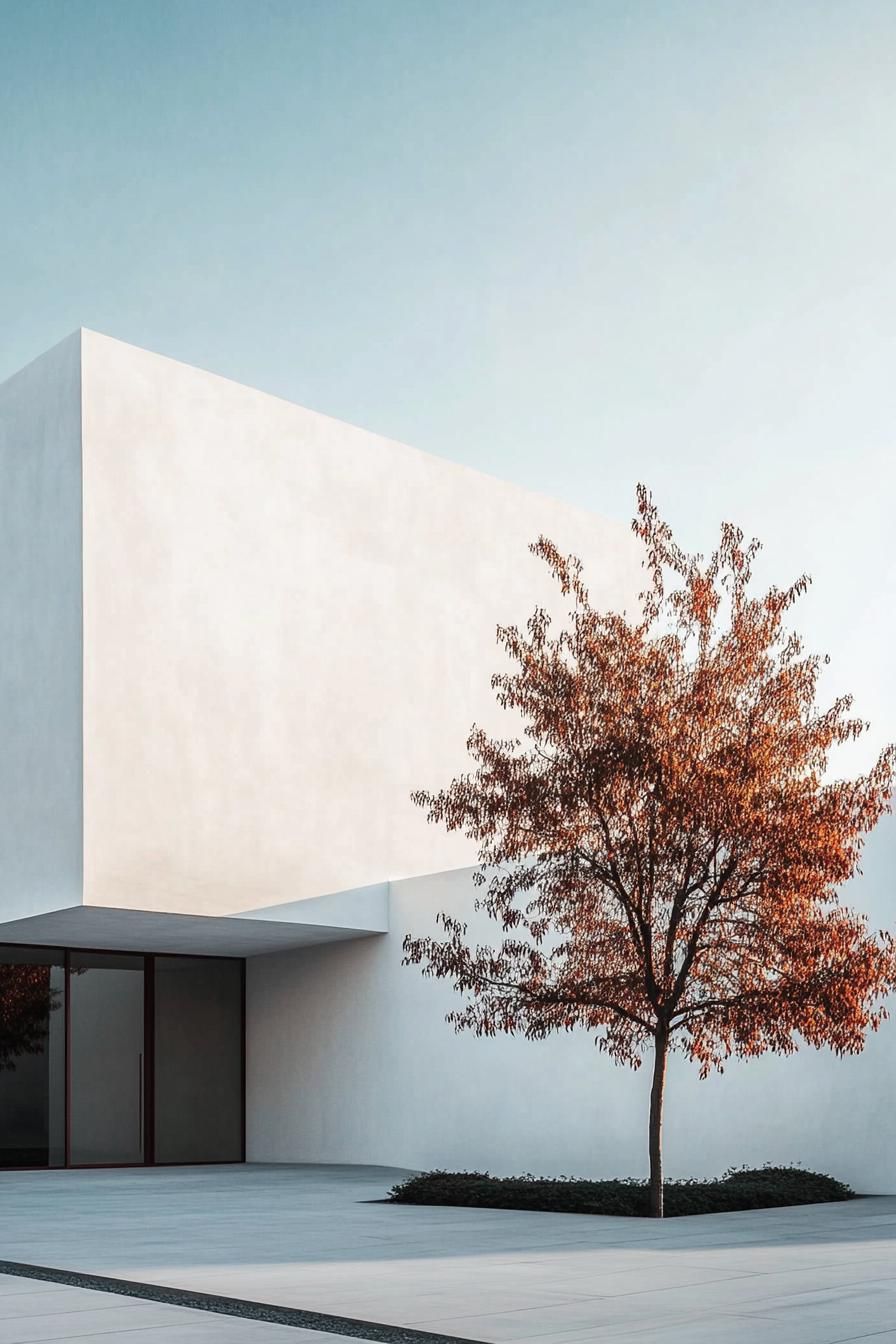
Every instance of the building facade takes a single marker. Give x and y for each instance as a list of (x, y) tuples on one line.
[(234, 636)]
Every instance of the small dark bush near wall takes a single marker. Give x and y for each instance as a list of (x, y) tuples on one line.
[(759, 1188)]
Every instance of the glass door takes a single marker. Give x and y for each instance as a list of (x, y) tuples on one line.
[(107, 1068), (198, 1017)]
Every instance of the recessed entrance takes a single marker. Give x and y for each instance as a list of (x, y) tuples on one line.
[(119, 1058)]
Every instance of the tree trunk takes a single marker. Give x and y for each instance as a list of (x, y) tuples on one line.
[(655, 1141)]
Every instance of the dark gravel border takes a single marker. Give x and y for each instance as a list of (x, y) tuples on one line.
[(374, 1331)]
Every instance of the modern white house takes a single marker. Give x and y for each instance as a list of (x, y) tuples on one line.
[(234, 636)]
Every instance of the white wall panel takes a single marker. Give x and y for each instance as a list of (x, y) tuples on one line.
[(350, 1060), (40, 635), (289, 624)]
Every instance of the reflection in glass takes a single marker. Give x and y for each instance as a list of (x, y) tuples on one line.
[(107, 1057), (32, 1057)]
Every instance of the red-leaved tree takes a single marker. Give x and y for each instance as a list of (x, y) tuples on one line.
[(663, 846), (26, 1001)]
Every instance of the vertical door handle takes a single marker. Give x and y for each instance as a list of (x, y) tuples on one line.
[(140, 1103)]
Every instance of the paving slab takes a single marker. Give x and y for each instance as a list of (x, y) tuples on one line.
[(318, 1239), (31, 1312)]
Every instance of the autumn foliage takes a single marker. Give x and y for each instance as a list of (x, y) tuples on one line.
[(662, 846), (26, 1000)]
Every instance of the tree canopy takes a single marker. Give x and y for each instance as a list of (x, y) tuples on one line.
[(663, 847)]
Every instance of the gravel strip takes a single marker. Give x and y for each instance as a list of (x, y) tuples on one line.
[(374, 1331)]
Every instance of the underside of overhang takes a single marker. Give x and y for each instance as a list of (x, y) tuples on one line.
[(362, 913)]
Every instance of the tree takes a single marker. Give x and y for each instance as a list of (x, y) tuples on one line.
[(26, 1001), (662, 848)]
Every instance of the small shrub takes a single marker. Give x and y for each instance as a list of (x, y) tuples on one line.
[(740, 1188)]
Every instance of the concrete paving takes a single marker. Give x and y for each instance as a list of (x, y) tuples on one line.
[(306, 1237), (30, 1311)]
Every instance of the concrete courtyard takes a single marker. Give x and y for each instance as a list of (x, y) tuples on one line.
[(307, 1237)]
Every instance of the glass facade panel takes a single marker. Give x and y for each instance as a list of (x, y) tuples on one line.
[(119, 1058), (32, 1057), (198, 1060), (107, 1061)]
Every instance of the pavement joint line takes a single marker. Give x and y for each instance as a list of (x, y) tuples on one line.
[(375, 1332)]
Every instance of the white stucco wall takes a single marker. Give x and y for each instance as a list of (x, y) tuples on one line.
[(289, 624), (40, 635), (349, 1059)]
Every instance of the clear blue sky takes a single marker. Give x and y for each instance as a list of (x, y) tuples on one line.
[(573, 244)]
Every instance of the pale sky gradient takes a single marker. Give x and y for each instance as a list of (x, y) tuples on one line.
[(572, 244)]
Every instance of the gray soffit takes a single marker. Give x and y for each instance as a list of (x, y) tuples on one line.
[(98, 926)]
